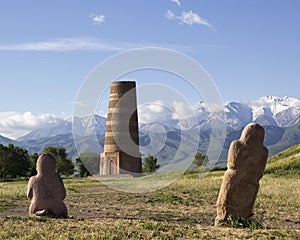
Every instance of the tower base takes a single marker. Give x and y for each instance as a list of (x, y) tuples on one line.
[(116, 163)]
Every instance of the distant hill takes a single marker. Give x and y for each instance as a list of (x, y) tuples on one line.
[(290, 136), (276, 140), (66, 141), (286, 162), (6, 141)]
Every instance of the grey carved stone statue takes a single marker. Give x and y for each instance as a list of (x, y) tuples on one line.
[(247, 158), (46, 190)]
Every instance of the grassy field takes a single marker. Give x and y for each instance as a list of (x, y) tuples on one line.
[(287, 161), (184, 210)]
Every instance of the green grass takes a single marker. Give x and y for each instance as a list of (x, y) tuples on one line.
[(183, 210), (11, 193), (285, 163), (240, 222)]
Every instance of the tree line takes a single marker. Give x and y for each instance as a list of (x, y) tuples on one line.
[(15, 162)]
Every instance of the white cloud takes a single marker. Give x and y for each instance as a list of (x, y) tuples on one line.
[(169, 14), (182, 110), (82, 44), (177, 2), (189, 18), (156, 111), (14, 125), (64, 45), (159, 111), (98, 19)]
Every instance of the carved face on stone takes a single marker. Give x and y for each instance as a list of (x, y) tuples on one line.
[(46, 163), (253, 133)]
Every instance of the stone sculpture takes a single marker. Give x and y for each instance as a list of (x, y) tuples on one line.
[(247, 158), (46, 190)]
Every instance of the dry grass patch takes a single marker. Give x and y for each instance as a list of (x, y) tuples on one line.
[(184, 210)]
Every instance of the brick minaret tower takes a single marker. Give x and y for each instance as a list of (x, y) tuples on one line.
[(121, 145)]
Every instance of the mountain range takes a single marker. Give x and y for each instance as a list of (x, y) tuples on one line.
[(280, 117)]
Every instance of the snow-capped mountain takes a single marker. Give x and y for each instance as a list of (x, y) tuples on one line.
[(85, 126), (280, 116), (89, 125), (269, 110)]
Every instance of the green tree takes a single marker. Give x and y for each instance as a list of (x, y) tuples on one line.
[(150, 164), (64, 165), (200, 159), (33, 159), (89, 159), (14, 162)]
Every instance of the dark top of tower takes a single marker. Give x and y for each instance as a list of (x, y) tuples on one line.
[(122, 87)]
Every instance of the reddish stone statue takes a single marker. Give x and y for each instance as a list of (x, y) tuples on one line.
[(247, 158), (46, 190)]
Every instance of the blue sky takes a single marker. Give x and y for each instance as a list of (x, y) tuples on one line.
[(47, 48)]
